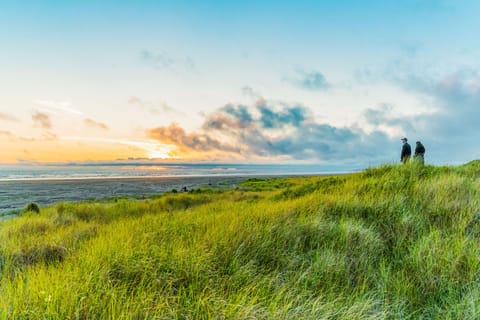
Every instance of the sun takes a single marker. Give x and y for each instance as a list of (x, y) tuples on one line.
[(156, 150), (158, 154)]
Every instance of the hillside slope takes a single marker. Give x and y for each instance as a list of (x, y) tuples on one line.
[(396, 242)]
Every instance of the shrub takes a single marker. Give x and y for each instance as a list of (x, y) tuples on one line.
[(32, 207)]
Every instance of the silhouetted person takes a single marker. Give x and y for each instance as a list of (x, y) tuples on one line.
[(419, 154), (406, 151)]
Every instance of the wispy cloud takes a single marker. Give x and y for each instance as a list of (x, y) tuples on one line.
[(249, 92), (152, 107), (8, 117), (164, 61), (309, 80), (42, 120), (158, 60), (95, 124), (6, 133), (49, 136), (14, 138), (55, 107), (135, 100)]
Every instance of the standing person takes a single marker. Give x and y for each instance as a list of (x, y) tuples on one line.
[(419, 154), (406, 151)]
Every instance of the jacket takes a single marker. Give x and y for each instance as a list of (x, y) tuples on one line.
[(419, 149), (406, 151)]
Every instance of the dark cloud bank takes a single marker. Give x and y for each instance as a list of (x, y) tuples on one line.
[(449, 129), (286, 132)]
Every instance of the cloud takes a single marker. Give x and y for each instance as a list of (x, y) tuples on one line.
[(8, 117), (176, 135), (271, 118), (270, 130), (42, 120), (135, 100), (54, 107), (13, 138), (189, 63), (163, 61), (159, 60), (94, 124), (451, 100), (49, 136), (152, 107), (311, 80), (249, 92), (384, 116), (6, 133), (454, 100), (230, 117)]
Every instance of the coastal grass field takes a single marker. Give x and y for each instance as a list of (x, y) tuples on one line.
[(392, 242)]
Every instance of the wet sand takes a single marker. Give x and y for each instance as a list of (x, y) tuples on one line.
[(17, 194)]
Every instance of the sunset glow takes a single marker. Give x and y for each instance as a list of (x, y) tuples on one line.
[(341, 82)]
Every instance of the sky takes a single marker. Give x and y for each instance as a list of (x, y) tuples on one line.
[(325, 82)]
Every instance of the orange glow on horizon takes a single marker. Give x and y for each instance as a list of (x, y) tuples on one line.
[(77, 150)]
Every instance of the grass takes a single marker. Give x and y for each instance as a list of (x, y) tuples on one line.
[(392, 242)]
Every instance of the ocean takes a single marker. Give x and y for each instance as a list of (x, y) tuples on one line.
[(48, 184)]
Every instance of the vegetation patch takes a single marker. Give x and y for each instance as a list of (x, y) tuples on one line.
[(32, 207), (392, 242)]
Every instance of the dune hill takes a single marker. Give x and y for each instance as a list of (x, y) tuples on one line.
[(392, 242)]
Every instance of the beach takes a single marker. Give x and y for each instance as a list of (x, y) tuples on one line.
[(15, 195), (48, 184)]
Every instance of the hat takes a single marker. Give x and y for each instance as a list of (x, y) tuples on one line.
[(405, 139)]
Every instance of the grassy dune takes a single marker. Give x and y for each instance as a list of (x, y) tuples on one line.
[(393, 242)]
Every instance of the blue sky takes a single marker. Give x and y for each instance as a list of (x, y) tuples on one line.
[(268, 81)]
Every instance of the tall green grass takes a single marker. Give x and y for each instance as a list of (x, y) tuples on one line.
[(392, 242)]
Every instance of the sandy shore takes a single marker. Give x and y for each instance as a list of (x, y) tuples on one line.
[(17, 194)]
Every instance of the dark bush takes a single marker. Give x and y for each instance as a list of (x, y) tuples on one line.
[(32, 207), (47, 253)]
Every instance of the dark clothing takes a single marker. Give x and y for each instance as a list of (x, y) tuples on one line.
[(406, 152), (419, 153), (419, 149)]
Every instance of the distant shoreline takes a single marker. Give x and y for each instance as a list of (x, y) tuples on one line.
[(246, 175), (16, 194)]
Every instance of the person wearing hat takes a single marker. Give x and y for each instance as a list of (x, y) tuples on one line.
[(419, 153), (406, 151)]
